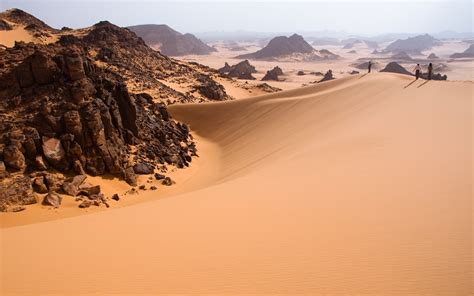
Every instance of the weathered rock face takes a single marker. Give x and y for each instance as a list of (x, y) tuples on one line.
[(273, 74), (14, 192), (14, 158), (52, 199), (242, 70)]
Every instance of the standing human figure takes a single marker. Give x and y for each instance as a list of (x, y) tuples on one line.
[(417, 71), (369, 66), (430, 71)]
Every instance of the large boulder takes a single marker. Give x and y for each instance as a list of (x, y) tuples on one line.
[(14, 158), (52, 199), (53, 151), (273, 74), (71, 185), (16, 191), (241, 70), (143, 169)]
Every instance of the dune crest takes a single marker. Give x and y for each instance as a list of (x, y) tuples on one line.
[(357, 185)]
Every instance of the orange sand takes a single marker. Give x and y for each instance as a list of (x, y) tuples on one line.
[(359, 186)]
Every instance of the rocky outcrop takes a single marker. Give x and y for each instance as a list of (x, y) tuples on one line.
[(171, 42), (273, 74), (242, 70), (281, 46), (211, 89), (394, 67), (432, 56), (328, 76), (60, 111)]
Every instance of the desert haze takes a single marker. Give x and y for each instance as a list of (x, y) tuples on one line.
[(264, 166)]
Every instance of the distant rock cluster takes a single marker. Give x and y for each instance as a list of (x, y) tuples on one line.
[(241, 70)]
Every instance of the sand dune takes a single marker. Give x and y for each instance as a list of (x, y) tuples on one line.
[(362, 185)]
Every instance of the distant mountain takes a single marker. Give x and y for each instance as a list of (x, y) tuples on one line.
[(281, 46), (401, 56), (413, 45), (468, 53), (171, 42), (242, 70), (349, 43), (37, 30), (293, 46), (19, 17)]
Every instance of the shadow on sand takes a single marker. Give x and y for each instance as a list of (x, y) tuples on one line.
[(423, 83), (363, 75), (411, 83)]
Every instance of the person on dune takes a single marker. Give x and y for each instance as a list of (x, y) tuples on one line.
[(417, 71), (430, 71), (369, 66)]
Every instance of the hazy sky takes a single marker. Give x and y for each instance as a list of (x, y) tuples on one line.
[(354, 17)]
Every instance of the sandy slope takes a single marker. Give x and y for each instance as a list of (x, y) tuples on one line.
[(361, 185)]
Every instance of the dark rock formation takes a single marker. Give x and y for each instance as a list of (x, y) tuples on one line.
[(434, 76), (432, 56), (242, 70), (468, 53), (394, 67), (171, 42), (273, 74), (328, 76), (60, 111), (281, 46), (300, 73), (212, 90), (226, 69), (265, 87), (143, 168), (167, 181)]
